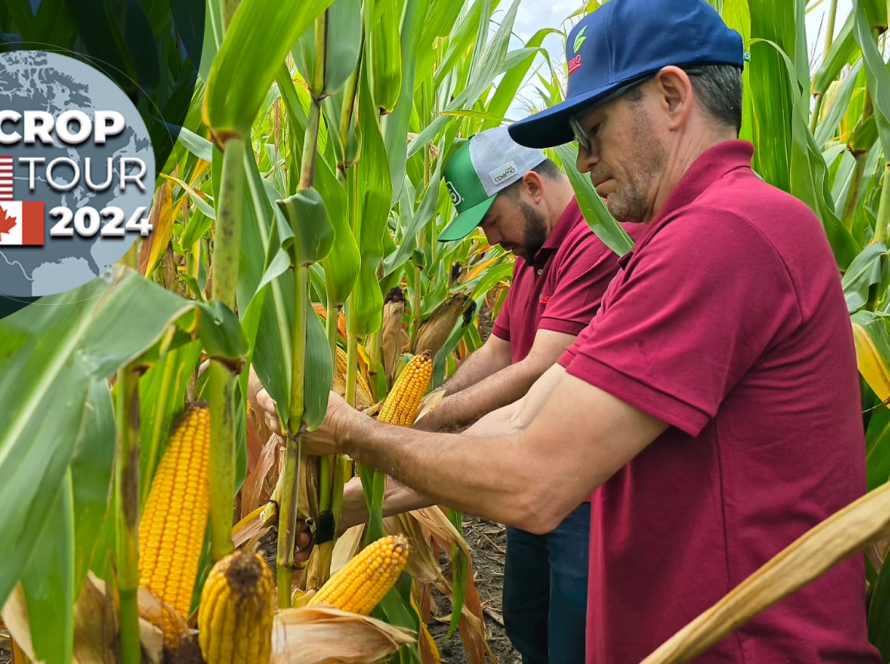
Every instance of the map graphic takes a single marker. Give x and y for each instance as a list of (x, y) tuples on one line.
[(39, 81)]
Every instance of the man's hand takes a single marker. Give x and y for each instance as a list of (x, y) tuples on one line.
[(267, 405), (339, 419), (353, 511)]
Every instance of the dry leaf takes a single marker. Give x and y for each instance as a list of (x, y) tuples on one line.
[(321, 635), (90, 645)]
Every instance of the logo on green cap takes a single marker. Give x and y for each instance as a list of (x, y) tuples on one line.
[(456, 198)]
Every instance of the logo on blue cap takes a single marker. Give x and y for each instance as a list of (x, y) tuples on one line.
[(579, 38)]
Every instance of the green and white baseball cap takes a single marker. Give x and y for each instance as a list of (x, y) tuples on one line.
[(484, 165)]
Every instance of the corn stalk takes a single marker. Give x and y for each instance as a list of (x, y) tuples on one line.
[(126, 480)]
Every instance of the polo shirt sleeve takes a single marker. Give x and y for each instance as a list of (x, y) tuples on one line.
[(581, 279), (696, 309), (501, 326)]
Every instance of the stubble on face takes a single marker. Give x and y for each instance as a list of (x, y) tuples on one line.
[(534, 233), (643, 164)]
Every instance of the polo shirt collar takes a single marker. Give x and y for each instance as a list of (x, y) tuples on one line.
[(711, 165), (567, 220)]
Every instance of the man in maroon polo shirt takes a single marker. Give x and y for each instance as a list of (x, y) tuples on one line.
[(712, 406), (524, 203)]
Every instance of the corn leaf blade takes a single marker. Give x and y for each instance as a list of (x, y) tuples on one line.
[(592, 207), (261, 32), (48, 581)]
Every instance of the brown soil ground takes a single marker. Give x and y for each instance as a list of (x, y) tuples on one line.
[(487, 541)]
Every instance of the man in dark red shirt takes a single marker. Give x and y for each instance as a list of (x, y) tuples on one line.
[(524, 203), (712, 407)]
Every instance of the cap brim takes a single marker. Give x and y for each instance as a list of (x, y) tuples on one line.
[(550, 127), (464, 223)]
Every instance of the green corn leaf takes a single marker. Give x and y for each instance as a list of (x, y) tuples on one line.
[(48, 581), (879, 613), (189, 18), (261, 32), (863, 274), (421, 218), (91, 466), (461, 39), (877, 76), (161, 396), (221, 332), (53, 28), (197, 145), (307, 215), (343, 43), (807, 178), (842, 52), (22, 15), (438, 22), (130, 58), (202, 204), (839, 106), (370, 203), (341, 265), (342, 46), (592, 207), (397, 124), (491, 65), (383, 52), (512, 81), (319, 371), (877, 438), (50, 357)]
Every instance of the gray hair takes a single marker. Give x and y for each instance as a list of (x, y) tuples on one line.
[(719, 87)]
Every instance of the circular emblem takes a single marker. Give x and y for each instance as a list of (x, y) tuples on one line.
[(76, 173)]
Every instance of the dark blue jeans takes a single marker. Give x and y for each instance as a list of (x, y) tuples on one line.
[(545, 591)]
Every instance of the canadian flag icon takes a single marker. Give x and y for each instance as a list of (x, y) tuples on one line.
[(21, 222)]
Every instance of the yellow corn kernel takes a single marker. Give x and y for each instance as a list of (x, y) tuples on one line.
[(235, 615), (359, 585), (171, 530), (403, 400), (362, 388)]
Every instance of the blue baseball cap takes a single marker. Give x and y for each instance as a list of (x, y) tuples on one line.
[(626, 41)]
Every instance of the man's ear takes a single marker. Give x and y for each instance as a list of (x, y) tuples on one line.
[(674, 92), (534, 186)]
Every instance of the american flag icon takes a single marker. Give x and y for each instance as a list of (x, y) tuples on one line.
[(21, 222), (5, 178)]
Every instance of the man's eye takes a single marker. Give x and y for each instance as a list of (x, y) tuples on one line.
[(595, 129)]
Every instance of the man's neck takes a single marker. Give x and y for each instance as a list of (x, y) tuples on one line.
[(558, 202), (680, 160)]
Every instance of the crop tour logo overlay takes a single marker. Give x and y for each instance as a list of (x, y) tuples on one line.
[(76, 173)]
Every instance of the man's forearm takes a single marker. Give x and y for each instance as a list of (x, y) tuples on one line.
[(477, 366), (397, 499), (490, 393), (421, 460)]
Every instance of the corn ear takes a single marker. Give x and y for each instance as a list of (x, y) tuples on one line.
[(391, 336), (433, 334), (171, 530), (237, 605), (359, 585), (363, 398), (404, 399)]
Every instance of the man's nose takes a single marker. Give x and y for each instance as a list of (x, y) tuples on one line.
[(586, 160)]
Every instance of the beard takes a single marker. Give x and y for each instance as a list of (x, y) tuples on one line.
[(534, 233), (630, 201)]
